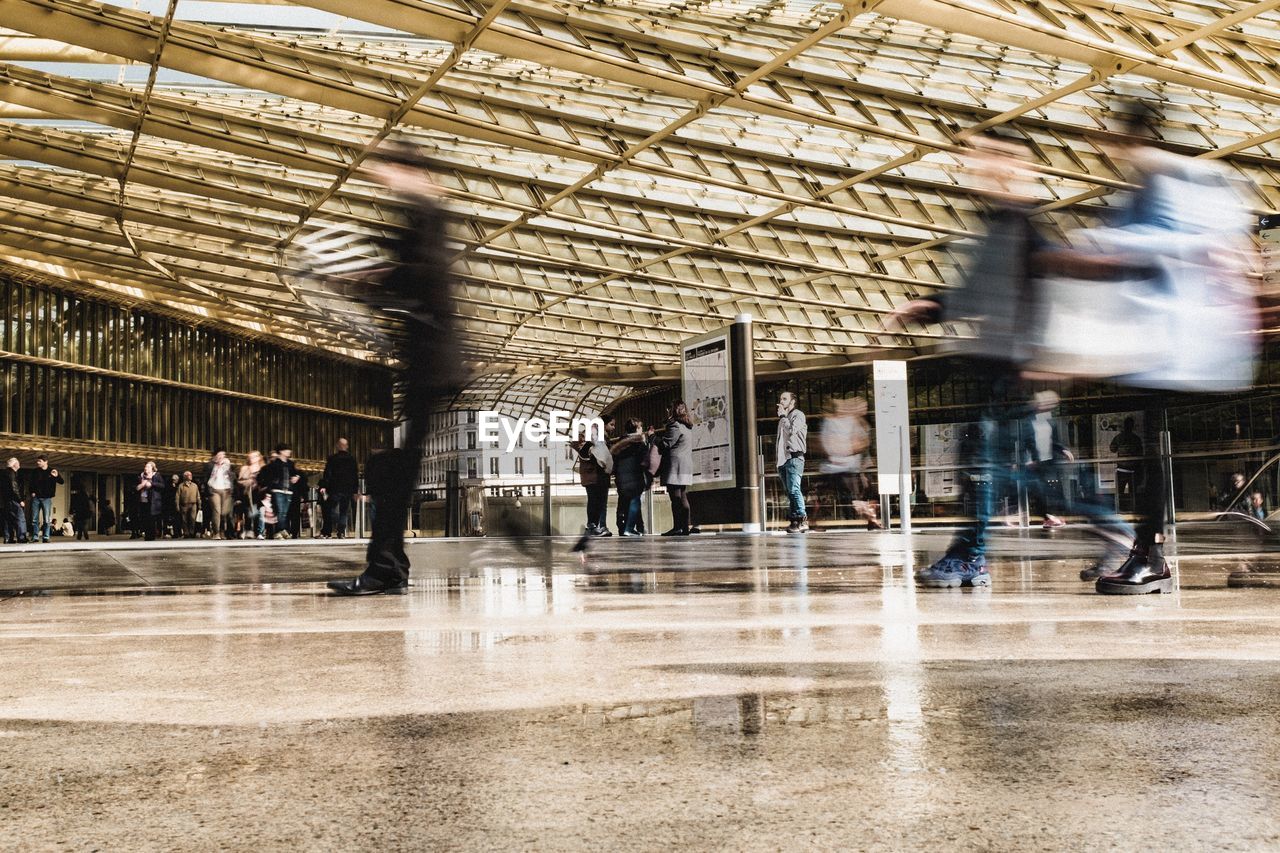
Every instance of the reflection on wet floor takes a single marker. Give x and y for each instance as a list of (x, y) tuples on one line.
[(872, 756), (816, 563), (726, 692)]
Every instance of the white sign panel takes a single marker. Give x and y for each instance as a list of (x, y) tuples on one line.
[(941, 445), (890, 382), (705, 374)]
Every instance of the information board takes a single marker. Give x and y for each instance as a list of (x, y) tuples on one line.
[(705, 380), (892, 427)]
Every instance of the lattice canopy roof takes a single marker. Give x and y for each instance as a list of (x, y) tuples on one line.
[(627, 174)]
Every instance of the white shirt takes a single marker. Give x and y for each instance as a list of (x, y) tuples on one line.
[(220, 477)]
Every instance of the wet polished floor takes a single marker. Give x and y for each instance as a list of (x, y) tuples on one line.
[(713, 693)]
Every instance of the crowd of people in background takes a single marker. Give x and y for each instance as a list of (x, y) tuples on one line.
[(262, 498)]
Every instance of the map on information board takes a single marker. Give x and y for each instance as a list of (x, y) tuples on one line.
[(705, 370)]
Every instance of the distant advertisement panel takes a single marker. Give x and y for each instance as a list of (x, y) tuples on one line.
[(708, 392)]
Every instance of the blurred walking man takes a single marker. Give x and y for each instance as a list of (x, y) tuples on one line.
[(999, 295), (419, 291)]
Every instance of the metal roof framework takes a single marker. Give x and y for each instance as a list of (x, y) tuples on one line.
[(626, 174)]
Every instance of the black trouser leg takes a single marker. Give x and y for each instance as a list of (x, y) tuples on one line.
[(388, 563), (1151, 498), (393, 494), (597, 501), (679, 507)]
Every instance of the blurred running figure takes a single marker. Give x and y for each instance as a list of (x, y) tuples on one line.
[(1182, 240), (845, 438), (998, 293), (418, 289)]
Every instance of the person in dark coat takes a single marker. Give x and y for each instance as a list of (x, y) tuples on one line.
[(630, 458), (278, 477), (149, 491), (106, 517), (339, 484), (419, 289), (81, 512), (11, 495)]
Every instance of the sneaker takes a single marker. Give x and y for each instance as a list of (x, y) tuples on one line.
[(793, 527), (952, 571), (802, 526), (605, 533), (1141, 574), (1052, 522)]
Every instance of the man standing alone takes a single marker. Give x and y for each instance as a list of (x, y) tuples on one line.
[(44, 485), (188, 503), (341, 479), (793, 434)]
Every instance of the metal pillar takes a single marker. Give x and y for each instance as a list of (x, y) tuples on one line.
[(746, 458), (546, 497), (1170, 526), (904, 482), (452, 504), (361, 501)]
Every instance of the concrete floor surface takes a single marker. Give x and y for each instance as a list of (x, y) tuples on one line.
[(738, 693)]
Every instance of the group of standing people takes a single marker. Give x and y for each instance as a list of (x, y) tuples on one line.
[(633, 461)]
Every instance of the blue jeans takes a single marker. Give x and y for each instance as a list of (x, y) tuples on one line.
[(632, 503), (41, 510), (255, 523), (992, 471), (790, 472), (280, 501)]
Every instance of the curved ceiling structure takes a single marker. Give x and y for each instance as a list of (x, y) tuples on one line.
[(626, 174)]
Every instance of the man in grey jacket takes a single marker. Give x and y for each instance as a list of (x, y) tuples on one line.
[(793, 434)]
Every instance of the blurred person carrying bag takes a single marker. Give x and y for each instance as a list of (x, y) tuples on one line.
[(1166, 302)]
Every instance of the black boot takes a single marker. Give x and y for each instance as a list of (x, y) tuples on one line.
[(1144, 572)]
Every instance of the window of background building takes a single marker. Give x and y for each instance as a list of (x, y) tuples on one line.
[(471, 441), (519, 465), (493, 466), (472, 468)]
